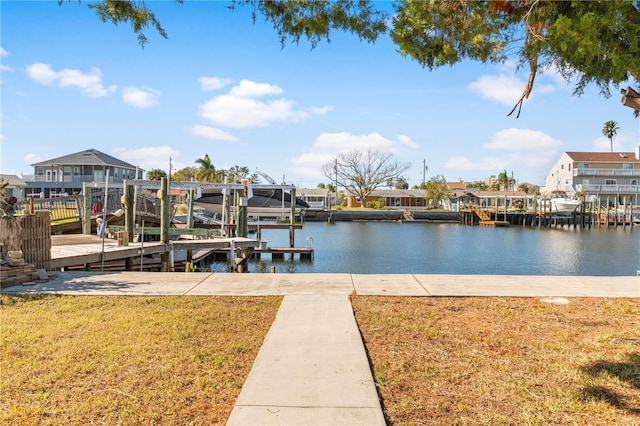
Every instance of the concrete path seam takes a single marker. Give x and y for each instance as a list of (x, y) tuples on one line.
[(421, 285), (197, 284)]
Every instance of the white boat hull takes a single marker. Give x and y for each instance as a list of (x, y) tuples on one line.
[(564, 207)]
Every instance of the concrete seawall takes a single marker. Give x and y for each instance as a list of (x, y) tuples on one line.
[(380, 215)]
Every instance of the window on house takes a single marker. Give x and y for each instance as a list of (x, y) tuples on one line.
[(562, 166), (610, 182), (627, 166)]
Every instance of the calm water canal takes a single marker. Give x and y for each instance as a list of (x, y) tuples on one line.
[(433, 248)]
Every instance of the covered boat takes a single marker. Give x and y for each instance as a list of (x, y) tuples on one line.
[(262, 200)]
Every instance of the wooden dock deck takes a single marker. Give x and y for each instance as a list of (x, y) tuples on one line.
[(493, 223), (77, 250)]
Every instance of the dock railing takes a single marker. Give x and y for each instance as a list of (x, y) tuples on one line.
[(70, 208), (62, 209)]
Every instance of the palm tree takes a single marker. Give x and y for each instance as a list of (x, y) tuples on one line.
[(610, 130), (401, 183), (156, 174), (503, 181), (207, 171)]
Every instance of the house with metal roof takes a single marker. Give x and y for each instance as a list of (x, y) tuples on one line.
[(67, 174), (611, 178)]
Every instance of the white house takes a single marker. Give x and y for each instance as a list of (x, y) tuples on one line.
[(15, 186), (612, 177), (317, 198)]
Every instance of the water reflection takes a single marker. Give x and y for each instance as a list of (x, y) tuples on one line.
[(430, 248)]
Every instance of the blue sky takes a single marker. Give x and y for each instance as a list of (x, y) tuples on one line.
[(223, 86)]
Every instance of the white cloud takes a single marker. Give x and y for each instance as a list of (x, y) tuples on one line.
[(144, 97), (251, 89), (407, 142), (337, 143), (522, 140), (150, 157), (236, 112), (212, 133), (213, 83), (621, 143), (503, 89), (4, 67), (33, 158), (523, 150), (90, 83), (41, 73), (240, 108), (310, 164), (320, 110), (327, 146)]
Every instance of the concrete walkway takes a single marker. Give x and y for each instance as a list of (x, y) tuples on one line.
[(312, 368), (227, 284)]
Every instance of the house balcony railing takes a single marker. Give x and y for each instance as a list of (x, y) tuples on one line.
[(609, 189), (67, 179), (606, 172)]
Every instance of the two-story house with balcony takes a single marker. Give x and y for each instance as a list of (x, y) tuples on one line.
[(612, 177), (66, 174)]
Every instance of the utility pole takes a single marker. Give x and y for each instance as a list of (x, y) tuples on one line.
[(424, 171), (336, 189)]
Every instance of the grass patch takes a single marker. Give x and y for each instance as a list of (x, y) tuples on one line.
[(127, 360), (470, 361)]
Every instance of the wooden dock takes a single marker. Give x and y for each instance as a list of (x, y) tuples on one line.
[(81, 251), (494, 223), (304, 253)]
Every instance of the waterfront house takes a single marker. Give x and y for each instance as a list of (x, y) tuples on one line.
[(65, 175), (470, 198), (607, 178), (317, 198), (393, 198), (15, 186)]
